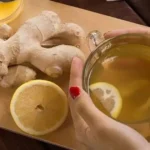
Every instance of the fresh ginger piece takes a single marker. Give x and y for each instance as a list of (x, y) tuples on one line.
[(17, 75), (56, 60), (42, 27), (69, 34), (26, 46), (5, 31)]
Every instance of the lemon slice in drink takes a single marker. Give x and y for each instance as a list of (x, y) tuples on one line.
[(108, 96), (39, 107)]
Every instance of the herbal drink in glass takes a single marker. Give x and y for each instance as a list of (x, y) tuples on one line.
[(123, 64)]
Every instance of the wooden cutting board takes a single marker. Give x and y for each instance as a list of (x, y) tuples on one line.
[(64, 136)]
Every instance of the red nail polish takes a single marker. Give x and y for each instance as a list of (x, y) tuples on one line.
[(74, 92)]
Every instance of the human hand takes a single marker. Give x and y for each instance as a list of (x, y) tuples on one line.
[(139, 30), (94, 130)]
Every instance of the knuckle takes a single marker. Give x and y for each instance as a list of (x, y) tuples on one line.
[(80, 107)]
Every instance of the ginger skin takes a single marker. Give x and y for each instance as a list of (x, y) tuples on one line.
[(17, 75), (5, 31), (40, 42)]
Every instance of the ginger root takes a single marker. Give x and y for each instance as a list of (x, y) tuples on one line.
[(42, 41), (17, 75), (69, 34), (5, 31)]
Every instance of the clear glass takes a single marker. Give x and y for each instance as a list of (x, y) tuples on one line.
[(10, 10), (103, 49)]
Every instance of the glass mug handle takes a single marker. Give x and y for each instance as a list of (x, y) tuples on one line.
[(94, 38)]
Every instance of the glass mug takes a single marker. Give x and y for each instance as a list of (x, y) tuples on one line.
[(127, 67), (9, 10)]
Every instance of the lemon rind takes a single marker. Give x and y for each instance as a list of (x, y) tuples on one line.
[(115, 112), (30, 130)]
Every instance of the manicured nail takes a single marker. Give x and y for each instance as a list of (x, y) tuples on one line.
[(74, 92)]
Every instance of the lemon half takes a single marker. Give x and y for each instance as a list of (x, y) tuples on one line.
[(39, 107), (108, 96)]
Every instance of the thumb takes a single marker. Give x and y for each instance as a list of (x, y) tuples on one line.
[(85, 107), (80, 102)]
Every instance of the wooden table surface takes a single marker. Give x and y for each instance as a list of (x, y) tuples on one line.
[(12, 141), (118, 9)]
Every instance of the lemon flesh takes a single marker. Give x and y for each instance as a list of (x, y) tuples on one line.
[(39, 107), (108, 96)]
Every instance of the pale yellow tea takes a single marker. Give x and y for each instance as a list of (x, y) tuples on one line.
[(127, 67)]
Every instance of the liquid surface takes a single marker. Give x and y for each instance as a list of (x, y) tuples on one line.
[(127, 67), (8, 8)]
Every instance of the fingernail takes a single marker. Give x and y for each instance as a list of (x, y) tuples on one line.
[(74, 92)]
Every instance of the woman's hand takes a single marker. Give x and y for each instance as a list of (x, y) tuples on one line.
[(113, 33), (94, 130)]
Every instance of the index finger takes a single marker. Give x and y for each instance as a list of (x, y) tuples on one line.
[(140, 30)]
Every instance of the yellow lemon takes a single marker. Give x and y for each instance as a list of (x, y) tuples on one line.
[(39, 107), (108, 96)]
